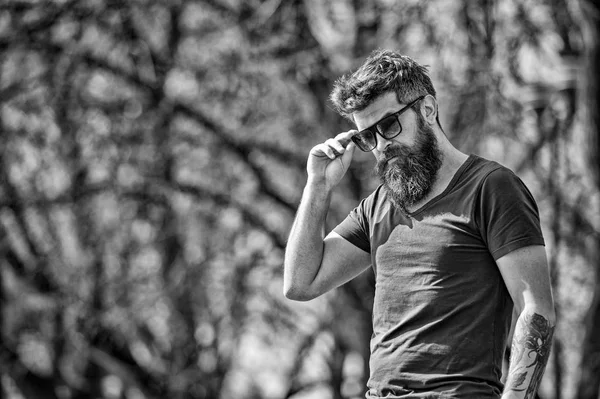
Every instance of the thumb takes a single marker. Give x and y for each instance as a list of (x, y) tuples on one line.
[(347, 156)]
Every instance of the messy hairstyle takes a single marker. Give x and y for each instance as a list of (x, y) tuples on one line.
[(382, 72)]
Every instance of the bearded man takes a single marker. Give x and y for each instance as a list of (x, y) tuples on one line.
[(454, 240)]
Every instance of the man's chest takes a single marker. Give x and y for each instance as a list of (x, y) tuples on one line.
[(443, 239)]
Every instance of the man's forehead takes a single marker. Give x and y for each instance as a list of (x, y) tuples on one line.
[(382, 106)]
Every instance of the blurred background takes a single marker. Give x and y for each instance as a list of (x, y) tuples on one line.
[(153, 156)]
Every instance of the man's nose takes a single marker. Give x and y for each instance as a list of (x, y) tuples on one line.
[(382, 143)]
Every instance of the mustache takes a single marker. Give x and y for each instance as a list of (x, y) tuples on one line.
[(393, 152), (381, 166)]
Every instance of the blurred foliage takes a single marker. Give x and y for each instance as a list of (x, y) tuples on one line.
[(154, 154)]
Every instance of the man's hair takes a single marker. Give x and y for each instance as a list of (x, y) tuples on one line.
[(382, 72)]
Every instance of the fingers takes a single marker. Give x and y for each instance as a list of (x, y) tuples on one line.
[(324, 150), (346, 157), (346, 137), (334, 147)]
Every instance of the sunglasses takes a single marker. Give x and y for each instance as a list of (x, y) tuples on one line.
[(388, 127)]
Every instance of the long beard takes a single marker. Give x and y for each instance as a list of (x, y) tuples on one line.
[(410, 178)]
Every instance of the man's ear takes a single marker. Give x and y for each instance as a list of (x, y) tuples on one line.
[(429, 109)]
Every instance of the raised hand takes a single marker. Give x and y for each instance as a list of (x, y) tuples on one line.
[(329, 161)]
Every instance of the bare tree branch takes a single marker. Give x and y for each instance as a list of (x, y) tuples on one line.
[(249, 214)]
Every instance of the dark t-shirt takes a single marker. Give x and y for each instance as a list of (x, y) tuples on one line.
[(442, 311)]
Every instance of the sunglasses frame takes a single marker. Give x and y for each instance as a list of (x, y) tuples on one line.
[(374, 129)]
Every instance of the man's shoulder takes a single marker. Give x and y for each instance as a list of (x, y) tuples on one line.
[(481, 165), (482, 169), (493, 172)]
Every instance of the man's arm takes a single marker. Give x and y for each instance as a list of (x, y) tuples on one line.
[(526, 275), (314, 265)]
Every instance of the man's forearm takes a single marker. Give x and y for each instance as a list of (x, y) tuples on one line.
[(304, 250), (530, 350)]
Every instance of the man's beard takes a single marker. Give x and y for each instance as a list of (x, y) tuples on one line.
[(410, 177)]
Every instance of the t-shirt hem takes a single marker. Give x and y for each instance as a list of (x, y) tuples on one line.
[(514, 245)]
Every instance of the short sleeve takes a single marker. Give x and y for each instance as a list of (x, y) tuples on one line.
[(355, 228), (507, 214)]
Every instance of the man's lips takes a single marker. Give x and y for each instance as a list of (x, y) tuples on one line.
[(391, 160)]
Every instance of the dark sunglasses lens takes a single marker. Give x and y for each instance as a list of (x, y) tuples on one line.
[(365, 140), (389, 127)]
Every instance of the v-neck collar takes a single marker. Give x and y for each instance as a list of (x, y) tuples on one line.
[(448, 188)]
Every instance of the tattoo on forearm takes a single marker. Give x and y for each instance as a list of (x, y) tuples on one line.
[(529, 354)]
